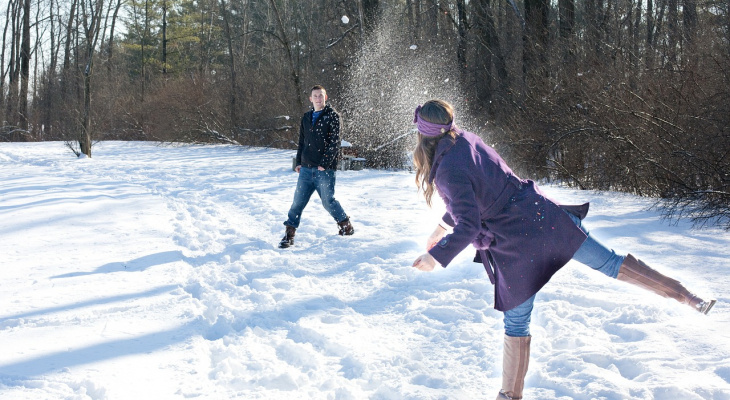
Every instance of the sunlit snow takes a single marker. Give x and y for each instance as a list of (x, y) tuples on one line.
[(152, 272)]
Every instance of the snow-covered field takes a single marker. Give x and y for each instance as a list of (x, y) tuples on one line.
[(152, 272)]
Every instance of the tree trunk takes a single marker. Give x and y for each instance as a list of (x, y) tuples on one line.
[(673, 32), (535, 39), (37, 51), (232, 103), (649, 35), (566, 13), (294, 70), (2, 56), (66, 75), (164, 37), (50, 84), (109, 62), (489, 53), (462, 29), (143, 41), (635, 39), (433, 18), (85, 139), (593, 33), (13, 67), (24, 69), (411, 20), (689, 15), (566, 10), (418, 28), (92, 18)]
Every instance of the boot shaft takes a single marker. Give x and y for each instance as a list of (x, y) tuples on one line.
[(288, 239), (290, 232), (514, 366), (346, 227), (637, 273)]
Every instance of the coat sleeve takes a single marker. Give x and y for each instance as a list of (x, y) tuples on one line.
[(300, 146), (457, 190), (331, 142), (446, 220)]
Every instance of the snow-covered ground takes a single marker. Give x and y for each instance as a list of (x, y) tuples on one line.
[(152, 272)]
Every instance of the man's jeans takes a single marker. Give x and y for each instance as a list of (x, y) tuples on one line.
[(591, 253), (311, 179)]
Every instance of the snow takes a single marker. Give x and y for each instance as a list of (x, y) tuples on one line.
[(151, 272)]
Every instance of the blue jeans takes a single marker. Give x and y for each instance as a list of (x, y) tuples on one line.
[(311, 179), (591, 253)]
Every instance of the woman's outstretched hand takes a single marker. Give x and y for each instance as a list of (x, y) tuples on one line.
[(425, 262), (437, 235)]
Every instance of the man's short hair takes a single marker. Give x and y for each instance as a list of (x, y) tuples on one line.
[(318, 87)]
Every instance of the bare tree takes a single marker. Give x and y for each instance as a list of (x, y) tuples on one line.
[(287, 46), (24, 69), (110, 45), (490, 53), (164, 37), (233, 95), (68, 46), (3, 70), (535, 39), (13, 74), (689, 19), (92, 17), (624, 95)]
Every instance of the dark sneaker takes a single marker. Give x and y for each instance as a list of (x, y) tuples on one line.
[(288, 239)]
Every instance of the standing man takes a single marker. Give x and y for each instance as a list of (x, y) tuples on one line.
[(319, 146)]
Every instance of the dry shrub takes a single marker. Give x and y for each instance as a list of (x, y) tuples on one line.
[(661, 132)]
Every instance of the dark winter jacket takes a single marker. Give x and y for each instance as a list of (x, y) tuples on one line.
[(319, 144), (522, 234)]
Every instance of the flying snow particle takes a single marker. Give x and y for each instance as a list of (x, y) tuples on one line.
[(413, 47), (345, 20), (446, 80)]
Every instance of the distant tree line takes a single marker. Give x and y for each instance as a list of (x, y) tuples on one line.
[(626, 95)]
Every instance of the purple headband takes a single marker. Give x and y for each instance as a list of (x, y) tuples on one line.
[(428, 128)]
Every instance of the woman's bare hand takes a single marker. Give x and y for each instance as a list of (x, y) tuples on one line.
[(425, 262)]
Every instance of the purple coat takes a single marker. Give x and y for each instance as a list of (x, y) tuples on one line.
[(525, 236)]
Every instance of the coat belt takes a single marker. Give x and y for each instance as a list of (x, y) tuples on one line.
[(513, 186)]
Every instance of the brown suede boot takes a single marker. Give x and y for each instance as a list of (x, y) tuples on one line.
[(346, 227), (288, 239), (514, 366), (637, 273)]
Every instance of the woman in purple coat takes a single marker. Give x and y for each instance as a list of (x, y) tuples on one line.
[(521, 236)]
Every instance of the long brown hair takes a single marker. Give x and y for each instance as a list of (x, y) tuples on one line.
[(437, 112)]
